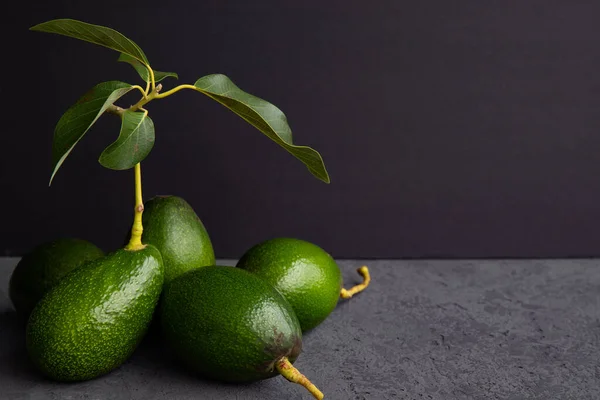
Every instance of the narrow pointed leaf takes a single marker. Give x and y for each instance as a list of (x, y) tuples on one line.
[(96, 34), (264, 116), (143, 71), (81, 116), (133, 144)]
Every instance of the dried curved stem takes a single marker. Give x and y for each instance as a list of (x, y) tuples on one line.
[(364, 272)]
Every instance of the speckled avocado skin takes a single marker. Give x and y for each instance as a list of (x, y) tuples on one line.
[(306, 275), (44, 266), (228, 324), (92, 321), (173, 227)]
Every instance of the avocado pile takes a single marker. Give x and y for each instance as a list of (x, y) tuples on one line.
[(87, 312)]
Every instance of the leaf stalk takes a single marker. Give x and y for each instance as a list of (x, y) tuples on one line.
[(138, 87), (152, 80), (174, 90)]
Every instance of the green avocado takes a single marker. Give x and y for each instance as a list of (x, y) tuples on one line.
[(43, 267), (92, 321), (228, 324), (171, 225), (306, 275)]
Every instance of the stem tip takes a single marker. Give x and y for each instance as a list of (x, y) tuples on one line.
[(364, 272), (289, 372)]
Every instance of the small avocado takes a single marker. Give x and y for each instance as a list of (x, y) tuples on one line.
[(94, 318), (306, 275), (229, 325), (171, 225), (43, 267)]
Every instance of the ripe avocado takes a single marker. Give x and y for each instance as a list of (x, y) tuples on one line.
[(228, 324), (304, 273), (44, 267), (92, 321), (171, 225)]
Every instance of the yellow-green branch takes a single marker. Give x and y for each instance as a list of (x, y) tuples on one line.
[(135, 243), (155, 94)]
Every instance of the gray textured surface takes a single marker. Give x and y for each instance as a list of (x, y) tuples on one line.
[(424, 330)]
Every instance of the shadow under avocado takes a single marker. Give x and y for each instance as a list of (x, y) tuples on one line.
[(14, 360), (154, 352)]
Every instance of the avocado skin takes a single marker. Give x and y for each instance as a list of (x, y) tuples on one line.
[(229, 325), (171, 225), (44, 266), (92, 321), (305, 274)]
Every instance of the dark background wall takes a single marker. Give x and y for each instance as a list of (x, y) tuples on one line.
[(450, 129)]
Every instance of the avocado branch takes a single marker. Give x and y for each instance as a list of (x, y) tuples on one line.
[(135, 243)]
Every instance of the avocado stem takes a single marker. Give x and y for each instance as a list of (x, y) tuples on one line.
[(364, 272), (135, 242), (289, 372)]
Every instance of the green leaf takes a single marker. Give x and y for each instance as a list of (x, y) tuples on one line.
[(143, 71), (81, 116), (133, 144), (96, 34), (262, 115)]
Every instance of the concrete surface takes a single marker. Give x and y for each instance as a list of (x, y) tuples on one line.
[(424, 330)]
